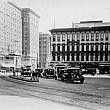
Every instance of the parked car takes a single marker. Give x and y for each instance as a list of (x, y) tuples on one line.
[(48, 72), (71, 74), (25, 71), (91, 71), (39, 71)]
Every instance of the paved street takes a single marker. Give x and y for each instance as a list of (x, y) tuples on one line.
[(94, 93)]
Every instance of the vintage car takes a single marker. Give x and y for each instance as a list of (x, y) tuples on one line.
[(26, 71), (48, 72), (71, 74), (39, 71), (91, 71)]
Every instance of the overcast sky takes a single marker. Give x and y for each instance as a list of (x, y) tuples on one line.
[(64, 12)]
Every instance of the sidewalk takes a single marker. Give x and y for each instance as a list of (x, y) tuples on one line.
[(97, 76)]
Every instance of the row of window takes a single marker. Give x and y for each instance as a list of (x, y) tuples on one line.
[(83, 57), (84, 37), (82, 47)]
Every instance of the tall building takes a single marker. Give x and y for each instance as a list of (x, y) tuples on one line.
[(10, 35), (44, 50), (87, 45), (30, 37)]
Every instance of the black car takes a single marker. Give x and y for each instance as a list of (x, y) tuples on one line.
[(39, 71), (47, 73), (91, 71), (26, 72), (71, 74)]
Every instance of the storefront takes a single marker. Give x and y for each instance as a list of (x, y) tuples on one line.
[(104, 68)]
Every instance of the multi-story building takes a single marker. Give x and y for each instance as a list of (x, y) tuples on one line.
[(87, 45), (10, 35), (30, 37), (44, 50)]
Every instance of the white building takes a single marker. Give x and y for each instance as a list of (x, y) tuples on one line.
[(10, 34)]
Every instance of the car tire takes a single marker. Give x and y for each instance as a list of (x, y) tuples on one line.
[(62, 78), (82, 81)]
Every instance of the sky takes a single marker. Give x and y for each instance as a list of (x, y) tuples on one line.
[(61, 13)]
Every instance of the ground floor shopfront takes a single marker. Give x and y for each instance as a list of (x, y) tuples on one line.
[(99, 67), (10, 62)]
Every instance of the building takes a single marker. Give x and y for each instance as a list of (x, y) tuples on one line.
[(10, 35), (44, 50), (30, 37), (82, 46), (90, 24)]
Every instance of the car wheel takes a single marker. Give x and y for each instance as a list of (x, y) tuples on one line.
[(62, 78), (82, 81)]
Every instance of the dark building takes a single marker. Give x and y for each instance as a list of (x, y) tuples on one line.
[(82, 46), (44, 49)]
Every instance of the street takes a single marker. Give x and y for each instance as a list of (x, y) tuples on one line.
[(93, 94)]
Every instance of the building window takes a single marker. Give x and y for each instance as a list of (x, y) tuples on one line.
[(82, 56), (58, 37), (92, 56), (73, 37), (87, 47), (73, 57), (97, 36), (87, 57), (77, 56), (101, 36), (68, 47), (78, 36), (68, 57), (92, 36), (106, 46), (63, 47), (54, 48), (96, 47), (58, 58), (54, 38), (63, 57), (92, 47), (53, 58), (96, 56), (106, 56), (83, 36), (58, 48), (25, 20), (63, 38), (101, 56), (73, 47), (82, 45), (77, 47), (68, 37), (106, 36), (87, 36), (101, 47)]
